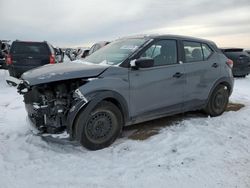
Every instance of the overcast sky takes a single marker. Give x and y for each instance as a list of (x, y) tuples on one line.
[(83, 22)]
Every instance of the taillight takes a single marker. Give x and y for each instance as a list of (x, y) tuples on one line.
[(52, 59), (230, 63), (8, 60)]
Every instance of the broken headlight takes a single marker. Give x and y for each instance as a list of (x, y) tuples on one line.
[(23, 87)]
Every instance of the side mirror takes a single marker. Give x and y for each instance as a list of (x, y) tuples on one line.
[(142, 63)]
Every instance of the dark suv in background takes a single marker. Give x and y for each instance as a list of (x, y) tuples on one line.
[(129, 81), (241, 61), (24, 56)]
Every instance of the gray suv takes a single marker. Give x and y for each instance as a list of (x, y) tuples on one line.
[(131, 80)]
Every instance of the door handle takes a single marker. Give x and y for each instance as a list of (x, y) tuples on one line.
[(178, 75), (215, 65)]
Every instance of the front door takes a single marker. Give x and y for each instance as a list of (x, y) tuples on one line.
[(159, 89)]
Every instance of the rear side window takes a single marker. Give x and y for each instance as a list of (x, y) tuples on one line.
[(193, 51), (29, 48)]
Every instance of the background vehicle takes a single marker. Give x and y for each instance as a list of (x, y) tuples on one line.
[(241, 61), (25, 55), (4, 50), (71, 53), (248, 51), (94, 48), (59, 54), (129, 81)]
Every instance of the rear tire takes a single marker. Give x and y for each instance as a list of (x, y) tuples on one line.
[(218, 101), (101, 127)]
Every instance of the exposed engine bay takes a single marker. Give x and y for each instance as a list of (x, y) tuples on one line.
[(48, 104)]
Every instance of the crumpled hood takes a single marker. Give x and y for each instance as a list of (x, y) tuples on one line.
[(62, 71)]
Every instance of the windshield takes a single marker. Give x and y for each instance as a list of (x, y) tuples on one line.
[(115, 52)]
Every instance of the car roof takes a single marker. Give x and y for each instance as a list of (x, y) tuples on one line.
[(168, 36), (30, 41)]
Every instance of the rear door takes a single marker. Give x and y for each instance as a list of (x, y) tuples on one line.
[(202, 71), (29, 54)]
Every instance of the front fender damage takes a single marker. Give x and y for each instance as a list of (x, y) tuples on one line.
[(84, 105), (53, 108)]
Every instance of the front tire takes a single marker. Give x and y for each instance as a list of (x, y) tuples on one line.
[(101, 127), (218, 101)]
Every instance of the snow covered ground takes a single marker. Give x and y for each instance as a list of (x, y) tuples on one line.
[(195, 151)]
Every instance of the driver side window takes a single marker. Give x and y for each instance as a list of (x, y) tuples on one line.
[(152, 51), (163, 52)]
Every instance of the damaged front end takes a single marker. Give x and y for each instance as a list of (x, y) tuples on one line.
[(48, 105)]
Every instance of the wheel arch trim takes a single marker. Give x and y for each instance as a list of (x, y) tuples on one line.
[(228, 81)]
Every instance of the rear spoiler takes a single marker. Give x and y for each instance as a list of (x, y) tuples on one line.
[(232, 49)]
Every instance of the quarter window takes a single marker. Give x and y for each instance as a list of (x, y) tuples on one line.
[(163, 52), (206, 51)]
